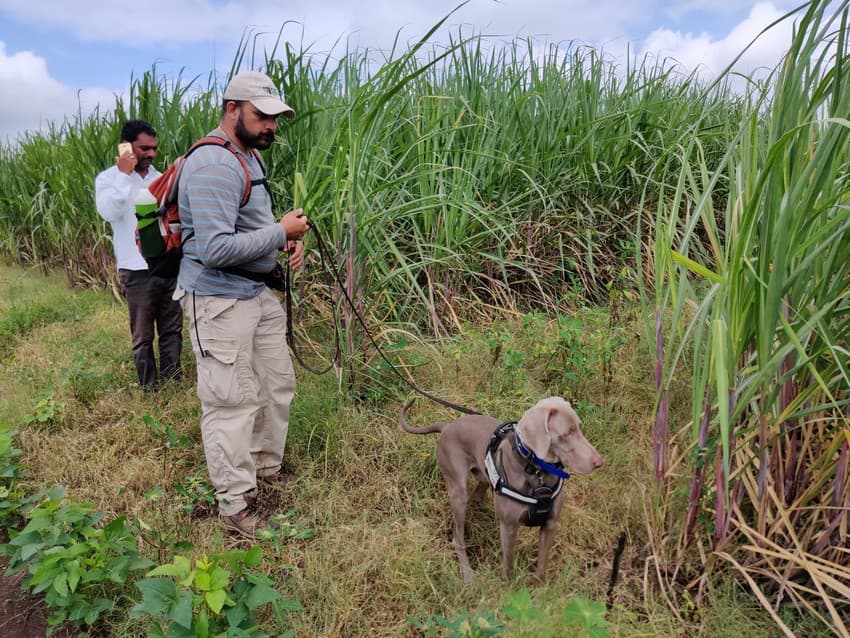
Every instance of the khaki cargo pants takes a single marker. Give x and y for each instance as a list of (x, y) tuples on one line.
[(246, 382)]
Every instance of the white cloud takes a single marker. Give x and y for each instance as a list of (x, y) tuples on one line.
[(376, 24), (33, 99), (712, 56), (30, 96), (181, 28)]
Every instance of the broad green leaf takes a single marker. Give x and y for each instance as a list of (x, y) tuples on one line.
[(202, 624), (180, 568), (216, 599), (520, 607), (158, 595), (101, 605), (60, 584), (25, 537), (178, 631), (289, 604), (236, 615), (254, 556), (219, 578), (585, 613), (140, 562), (261, 595), (258, 578), (73, 577), (203, 581), (182, 611)]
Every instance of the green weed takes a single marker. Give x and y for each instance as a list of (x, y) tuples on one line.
[(522, 617), (209, 596), (78, 566), (46, 411), (195, 495)]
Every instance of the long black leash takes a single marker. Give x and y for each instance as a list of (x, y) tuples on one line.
[(615, 569), (326, 264), (290, 334)]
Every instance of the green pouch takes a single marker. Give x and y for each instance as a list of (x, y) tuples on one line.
[(149, 237)]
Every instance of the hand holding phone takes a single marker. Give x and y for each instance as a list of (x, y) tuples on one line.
[(125, 160)]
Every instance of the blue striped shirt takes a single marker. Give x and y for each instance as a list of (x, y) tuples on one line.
[(217, 233)]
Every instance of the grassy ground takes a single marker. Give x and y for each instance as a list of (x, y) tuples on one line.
[(368, 546)]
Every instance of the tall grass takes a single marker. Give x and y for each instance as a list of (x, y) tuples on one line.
[(503, 173), (760, 286), (453, 179)]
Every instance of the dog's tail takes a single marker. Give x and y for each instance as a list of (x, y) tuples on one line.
[(402, 421)]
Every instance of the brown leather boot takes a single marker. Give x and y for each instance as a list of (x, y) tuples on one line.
[(246, 523)]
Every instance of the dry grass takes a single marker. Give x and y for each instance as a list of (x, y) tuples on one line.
[(372, 495)]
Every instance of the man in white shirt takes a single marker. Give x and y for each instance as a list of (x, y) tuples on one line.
[(148, 294)]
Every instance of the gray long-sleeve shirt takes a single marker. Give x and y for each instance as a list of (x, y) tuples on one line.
[(217, 233)]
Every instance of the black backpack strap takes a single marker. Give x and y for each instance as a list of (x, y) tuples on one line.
[(261, 182)]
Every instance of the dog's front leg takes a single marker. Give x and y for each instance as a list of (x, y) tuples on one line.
[(547, 539), (507, 532)]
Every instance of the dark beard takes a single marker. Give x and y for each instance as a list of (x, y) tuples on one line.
[(261, 141)]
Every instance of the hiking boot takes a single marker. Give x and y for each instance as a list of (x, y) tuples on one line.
[(246, 523), (284, 476)]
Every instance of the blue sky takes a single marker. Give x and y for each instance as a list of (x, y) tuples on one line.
[(58, 56)]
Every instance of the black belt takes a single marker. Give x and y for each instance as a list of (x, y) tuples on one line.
[(247, 274), (274, 279)]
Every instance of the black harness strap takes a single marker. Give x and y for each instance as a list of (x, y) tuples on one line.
[(541, 501)]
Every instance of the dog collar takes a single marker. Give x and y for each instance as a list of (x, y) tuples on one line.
[(549, 468)]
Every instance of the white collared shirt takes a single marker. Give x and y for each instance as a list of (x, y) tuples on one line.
[(115, 198)]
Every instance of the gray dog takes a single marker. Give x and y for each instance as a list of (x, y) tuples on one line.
[(523, 463)]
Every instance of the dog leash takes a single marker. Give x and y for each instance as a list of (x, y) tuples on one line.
[(290, 334), (325, 260), (615, 569)]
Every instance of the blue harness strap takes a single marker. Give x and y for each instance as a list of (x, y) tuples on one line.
[(549, 468)]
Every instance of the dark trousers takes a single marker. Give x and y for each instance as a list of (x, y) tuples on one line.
[(150, 306)]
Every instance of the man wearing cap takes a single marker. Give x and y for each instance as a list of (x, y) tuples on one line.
[(246, 380)]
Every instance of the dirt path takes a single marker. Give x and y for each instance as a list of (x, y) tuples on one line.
[(22, 615)]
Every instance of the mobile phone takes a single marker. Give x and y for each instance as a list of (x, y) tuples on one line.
[(124, 147)]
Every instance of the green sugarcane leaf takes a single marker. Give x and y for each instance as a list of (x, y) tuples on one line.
[(696, 268)]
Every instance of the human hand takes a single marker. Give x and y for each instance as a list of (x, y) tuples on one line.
[(126, 162), (295, 224), (296, 254)]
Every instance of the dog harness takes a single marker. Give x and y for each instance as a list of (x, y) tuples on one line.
[(542, 498)]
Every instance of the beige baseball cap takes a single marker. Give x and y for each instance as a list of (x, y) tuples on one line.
[(258, 89)]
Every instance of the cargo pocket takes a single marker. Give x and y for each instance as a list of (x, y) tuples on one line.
[(224, 374), (218, 374)]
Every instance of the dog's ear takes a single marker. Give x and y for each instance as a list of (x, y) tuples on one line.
[(533, 429)]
